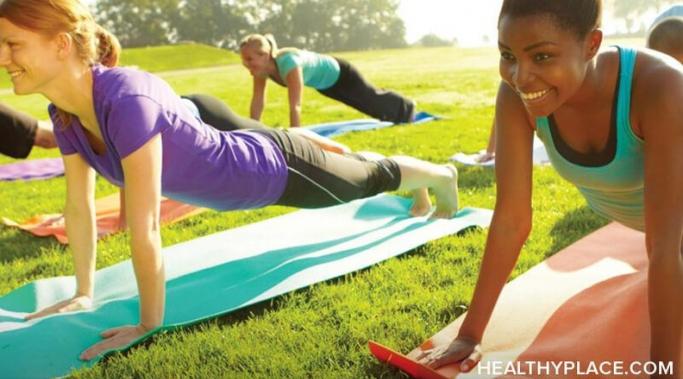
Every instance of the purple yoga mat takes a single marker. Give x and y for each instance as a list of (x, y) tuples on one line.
[(36, 169)]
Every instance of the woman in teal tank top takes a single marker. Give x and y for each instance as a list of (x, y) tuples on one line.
[(332, 77), (612, 123)]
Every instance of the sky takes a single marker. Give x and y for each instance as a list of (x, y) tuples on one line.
[(468, 21), (473, 23)]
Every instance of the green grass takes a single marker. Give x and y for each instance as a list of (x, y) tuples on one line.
[(167, 58), (322, 331)]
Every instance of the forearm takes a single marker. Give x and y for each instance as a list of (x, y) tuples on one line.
[(82, 233), (503, 247), (491, 146), (256, 109), (122, 210), (665, 285), (149, 272), (295, 115)]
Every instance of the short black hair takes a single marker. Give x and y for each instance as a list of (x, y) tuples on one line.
[(579, 16), (667, 35)]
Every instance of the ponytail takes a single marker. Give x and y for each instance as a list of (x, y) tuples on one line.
[(108, 47)]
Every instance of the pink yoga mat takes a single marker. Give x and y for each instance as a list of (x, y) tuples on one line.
[(35, 169), (107, 217), (587, 303)]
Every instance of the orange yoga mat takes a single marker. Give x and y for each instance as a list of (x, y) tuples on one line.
[(587, 304), (107, 216)]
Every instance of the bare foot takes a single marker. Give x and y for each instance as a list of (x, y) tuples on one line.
[(421, 203), (447, 195)]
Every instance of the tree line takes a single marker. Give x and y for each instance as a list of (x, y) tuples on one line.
[(320, 25)]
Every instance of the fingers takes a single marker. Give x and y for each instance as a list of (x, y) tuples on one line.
[(113, 331), (71, 305), (46, 311), (471, 361), (117, 338)]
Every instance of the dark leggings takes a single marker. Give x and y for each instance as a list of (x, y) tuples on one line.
[(318, 178), (217, 114), (17, 132), (353, 90)]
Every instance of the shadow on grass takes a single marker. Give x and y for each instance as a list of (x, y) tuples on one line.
[(16, 244), (476, 177), (573, 226)]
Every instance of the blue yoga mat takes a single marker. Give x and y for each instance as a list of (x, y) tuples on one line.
[(333, 129), (217, 274)]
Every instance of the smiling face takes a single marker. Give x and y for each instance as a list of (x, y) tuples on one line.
[(544, 64), (29, 58), (255, 60)]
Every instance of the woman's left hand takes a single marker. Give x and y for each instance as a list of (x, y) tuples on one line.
[(114, 339)]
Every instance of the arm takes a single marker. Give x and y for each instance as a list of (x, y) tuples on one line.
[(295, 89), (661, 125), (45, 137), (122, 210), (509, 229), (142, 172), (258, 98), (490, 152), (491, 147), (79, 214)]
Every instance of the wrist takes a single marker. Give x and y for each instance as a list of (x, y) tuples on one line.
[(148, 326), (89, 293)]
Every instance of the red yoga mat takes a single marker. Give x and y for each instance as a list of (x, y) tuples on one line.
[(586, 305), (107, 216)]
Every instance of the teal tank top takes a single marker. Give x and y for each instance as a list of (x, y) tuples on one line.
[(320, 71), (613, 190)]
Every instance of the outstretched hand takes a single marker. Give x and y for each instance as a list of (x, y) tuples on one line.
[(76, 303), (462, 350), (113, 339)]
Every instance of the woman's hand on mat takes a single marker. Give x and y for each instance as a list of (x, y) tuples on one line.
[(463, 350), (76, 303), (114, 339)]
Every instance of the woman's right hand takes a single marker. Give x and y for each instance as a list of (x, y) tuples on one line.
[(76, 303), (463, 350)]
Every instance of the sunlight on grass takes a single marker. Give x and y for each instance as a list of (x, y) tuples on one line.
[(320, 331)]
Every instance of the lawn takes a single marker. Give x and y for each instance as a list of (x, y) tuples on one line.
[(320, 332)]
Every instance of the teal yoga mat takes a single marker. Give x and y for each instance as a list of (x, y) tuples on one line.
[(216, 274)]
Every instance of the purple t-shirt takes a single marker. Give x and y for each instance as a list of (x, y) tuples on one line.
[(200, 165)]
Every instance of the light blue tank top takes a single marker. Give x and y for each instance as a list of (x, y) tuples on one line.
[(320, 71), (613, 190)]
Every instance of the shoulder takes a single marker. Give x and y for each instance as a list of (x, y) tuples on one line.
[(510, 108), (113, 84), (657, 82), (657, 90)]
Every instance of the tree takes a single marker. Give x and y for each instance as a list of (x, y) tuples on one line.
[(320, 25), (432, 40), (631, 11), (139, 22), (325, 25), (212, 22)]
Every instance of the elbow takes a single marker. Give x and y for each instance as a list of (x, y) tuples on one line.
[(517, 225)]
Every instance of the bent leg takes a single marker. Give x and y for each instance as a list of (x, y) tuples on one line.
[(353, 90)]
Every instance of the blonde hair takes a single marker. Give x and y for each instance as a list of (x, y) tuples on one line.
[(265, 44), (93, 43)]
